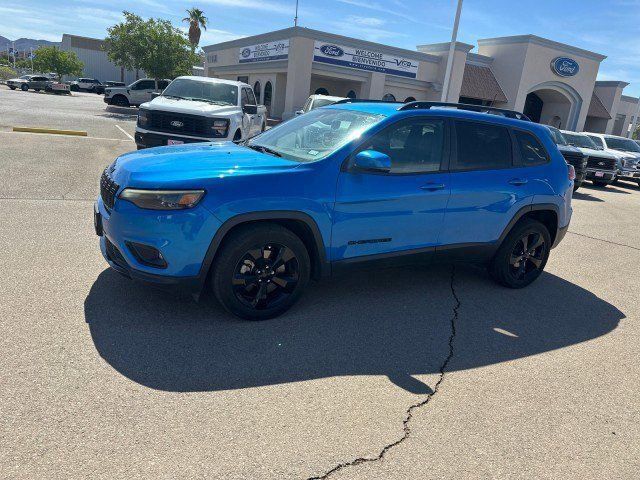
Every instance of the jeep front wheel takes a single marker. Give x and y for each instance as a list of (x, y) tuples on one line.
[(522, 256), (260, 271)]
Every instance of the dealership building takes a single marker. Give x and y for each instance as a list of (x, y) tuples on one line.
[(553, 83)]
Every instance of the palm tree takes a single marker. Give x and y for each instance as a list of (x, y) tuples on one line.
[(196, 20)]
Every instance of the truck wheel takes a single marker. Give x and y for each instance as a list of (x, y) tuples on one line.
[(24, 87), (598, 183), (260, 271), (120, 101), (74, 88), (237, 136), (523, 254)]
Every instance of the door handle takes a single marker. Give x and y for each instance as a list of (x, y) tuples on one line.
[(433, 186), (518, 181)]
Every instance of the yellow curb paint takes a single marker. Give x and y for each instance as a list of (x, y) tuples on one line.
[(53, 131)]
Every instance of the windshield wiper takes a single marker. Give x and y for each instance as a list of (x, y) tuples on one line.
[(263, 149), (214, 102), (174, 96)]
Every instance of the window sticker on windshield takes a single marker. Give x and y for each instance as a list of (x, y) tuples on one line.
[(313, 152)]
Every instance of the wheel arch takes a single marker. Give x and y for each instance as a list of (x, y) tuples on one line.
[(545, 213), (300, 223)]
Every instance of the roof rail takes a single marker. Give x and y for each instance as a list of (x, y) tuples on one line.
[(361, 100), (466, 106)]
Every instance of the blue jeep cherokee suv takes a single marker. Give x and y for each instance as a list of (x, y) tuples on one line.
[(349, 183)]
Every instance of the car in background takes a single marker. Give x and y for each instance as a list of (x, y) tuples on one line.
[(628, 153), (101, 88), (317, 101), (58, 87), (572, 155), (601, 166), (14, 83), (340, 186), (200, 109), (37, 83), (136, 94), (86, 84)]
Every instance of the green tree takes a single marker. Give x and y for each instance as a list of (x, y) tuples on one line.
[(152, 45), (7, 72), (196, 19), (52, 59)]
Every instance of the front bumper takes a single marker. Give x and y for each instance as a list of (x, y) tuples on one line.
[(629, 174), (183, 238), (147, 139)]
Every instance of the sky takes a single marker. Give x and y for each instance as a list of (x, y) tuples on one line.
[(609, 27)]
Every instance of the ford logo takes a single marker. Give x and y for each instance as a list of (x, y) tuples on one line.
[(601, 164), (245, 52), (332, 50), (177, 124), (564, 66)]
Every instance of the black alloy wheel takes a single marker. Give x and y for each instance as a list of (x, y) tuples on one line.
[(260, 270), (523, 254), (266, 276)]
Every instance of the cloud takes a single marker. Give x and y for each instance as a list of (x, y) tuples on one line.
[(391, 11), (266, 6), (367, 21)]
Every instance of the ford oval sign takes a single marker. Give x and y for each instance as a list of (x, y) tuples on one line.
[(332, 50), (177, 124), (564, 66)]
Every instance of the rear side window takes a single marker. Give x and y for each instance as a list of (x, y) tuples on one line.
[(597, 140), (482, 147), (532, 152)]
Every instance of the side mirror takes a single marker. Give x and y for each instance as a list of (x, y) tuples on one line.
[(299, 112), (372, 161), (250, 109), (155, 95)]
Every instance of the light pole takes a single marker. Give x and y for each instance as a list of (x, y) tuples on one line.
[(295, 19), (452, 48)]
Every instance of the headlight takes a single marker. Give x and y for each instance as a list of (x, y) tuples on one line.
[(220, 128), (162, 199), (144, 117)]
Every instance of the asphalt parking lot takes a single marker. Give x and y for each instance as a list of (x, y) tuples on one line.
[(412, 373)]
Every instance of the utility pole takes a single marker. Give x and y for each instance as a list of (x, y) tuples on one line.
[(14, 54), (31, 57), (452, 48), (635, 121), (295, 19)]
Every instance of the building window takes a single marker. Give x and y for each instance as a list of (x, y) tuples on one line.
[(321, 91), (388, 98), (243, 79), (351, 94), (409, 99), (268, 92), (256, 90)]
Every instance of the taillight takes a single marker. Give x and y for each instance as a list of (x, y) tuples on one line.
[(572, 172)]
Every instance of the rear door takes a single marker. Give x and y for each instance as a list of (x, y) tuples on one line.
[(489, 183), (398, 211)]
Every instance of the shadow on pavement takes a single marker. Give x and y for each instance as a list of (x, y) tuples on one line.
[(394, 322), (608, 188), (581, 195)]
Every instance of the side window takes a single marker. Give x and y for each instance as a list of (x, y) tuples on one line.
[(482, 147), (144, 85), (162, 84), (414, 146), (244, 99), (251, 97), (532, 152), (597, 140)]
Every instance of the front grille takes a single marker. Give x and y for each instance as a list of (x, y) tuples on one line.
[(114, 254), (600, 163), (108, 190), (183, 124), (575, 159)]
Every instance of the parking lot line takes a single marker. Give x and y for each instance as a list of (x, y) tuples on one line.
[(51, 131), (122, 130), (71, 136)]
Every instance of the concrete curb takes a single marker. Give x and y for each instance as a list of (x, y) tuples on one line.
[(50, 130)]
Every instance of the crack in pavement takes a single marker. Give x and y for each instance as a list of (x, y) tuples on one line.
[(605, 241), (409, 412)]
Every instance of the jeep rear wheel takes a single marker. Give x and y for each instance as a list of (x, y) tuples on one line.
[(260, 271), (522, 256), (24, 87)]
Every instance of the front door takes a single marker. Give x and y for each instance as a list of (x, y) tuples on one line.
[(403, 210), (140, 91)]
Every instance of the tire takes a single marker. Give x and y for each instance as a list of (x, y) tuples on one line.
[(260, 271), (120, 101), (509, 267), (237, 136), (12, 88), (74, 88), (599, 184), (24, 87)]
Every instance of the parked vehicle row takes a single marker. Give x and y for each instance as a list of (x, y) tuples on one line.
[(343, 185), (37, 83)]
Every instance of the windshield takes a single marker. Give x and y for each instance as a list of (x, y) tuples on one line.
[(623, 144), (316, 134), (220, 93), (580, 141), (557, 136)]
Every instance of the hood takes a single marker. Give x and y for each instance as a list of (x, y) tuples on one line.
[(568, 149), (597, 153), (177, 105), (623, 153), (192, 164)]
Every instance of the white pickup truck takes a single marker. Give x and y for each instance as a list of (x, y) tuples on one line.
[(200, 109)]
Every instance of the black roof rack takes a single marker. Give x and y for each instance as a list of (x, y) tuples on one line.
[(361, 100), (465, 106)]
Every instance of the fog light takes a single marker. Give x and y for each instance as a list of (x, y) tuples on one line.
[(147, 255)]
